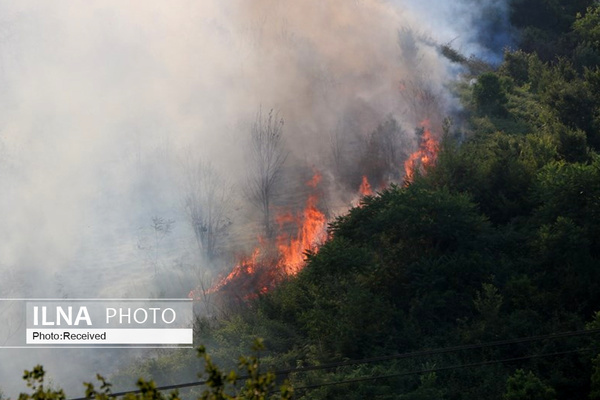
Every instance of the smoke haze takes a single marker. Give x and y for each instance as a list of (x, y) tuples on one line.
[(101, 100)]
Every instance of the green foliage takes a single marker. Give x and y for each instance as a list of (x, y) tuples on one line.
[(35, 381), (527, 386), (595, 379), (489, 97), (417, 219), (572, 100), (488, 301), (147, 391), (516, 65), (587, 26), (545, 25), (570, 190), (494, 170), (428, 389), (257, 385)]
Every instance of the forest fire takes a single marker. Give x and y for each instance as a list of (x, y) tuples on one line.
[(300, 231), (365, 187), (245, 268), (425, 156), (271, 261), (315, 180), (312, 229)]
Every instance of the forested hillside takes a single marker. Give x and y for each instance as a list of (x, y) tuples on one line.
[(478, 266)]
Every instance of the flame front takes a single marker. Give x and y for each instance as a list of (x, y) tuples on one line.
[(262, 270), (271, 261), (247, 266), (312, 228), (425, 156), (365, 187)]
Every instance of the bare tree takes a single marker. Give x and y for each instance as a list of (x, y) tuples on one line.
[(267, 156), (208, 204), (424, 101), (381, 153), (151, 237), (337, 148)]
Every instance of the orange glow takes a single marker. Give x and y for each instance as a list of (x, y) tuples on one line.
[(246, 267), (298, 232), (311, 230), (315, 180), (365, 187), (259, 272), (425, 156)]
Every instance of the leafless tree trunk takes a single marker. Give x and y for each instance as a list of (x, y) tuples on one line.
[(337, 148), (158, 229), (381, 153), (424, 101), (267, 156), (208, 204)]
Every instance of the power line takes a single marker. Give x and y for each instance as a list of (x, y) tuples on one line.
[(431, 370), (441, 351), (415, 354)]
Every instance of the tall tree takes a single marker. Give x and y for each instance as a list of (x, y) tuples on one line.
[(267, 156), (207, 199)]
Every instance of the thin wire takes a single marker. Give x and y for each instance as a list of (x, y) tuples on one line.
[(430, 370), (440, 351), (397, 356)]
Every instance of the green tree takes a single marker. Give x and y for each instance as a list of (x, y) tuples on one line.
[(571, 100), (595, 379), (587, 26), (427, 390), (516, 65), (544, 25), (35, 381), (489, 97), (257, 385), (527, 386)]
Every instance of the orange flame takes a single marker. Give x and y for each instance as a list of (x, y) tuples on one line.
[(425, 156), (365, 187), (259, 272), (270, 262), (312, 225), (310, 228), (246, 266), (315, 180)]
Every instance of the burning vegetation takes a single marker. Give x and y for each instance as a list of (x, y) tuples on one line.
[(290, 233), (365, 187), (273, 260), (425, 156)]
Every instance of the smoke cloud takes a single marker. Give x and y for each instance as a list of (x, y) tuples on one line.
[(101, 100)]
